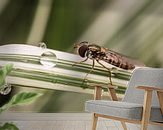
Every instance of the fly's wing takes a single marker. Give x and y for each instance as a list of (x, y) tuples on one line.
[(122, 58)]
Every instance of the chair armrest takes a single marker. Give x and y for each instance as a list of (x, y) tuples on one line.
[(148, 101), (112, 91), (98, 92), (112, 87), (150, 88)]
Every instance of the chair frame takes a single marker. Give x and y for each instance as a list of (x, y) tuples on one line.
[(146, 107)]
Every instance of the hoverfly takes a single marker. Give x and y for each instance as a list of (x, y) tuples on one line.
[(98, 53)]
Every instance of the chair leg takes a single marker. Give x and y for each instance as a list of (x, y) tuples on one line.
[(124, 125), (146, 109), (94, 122), (112, 93), (115, 98), (160, 98)]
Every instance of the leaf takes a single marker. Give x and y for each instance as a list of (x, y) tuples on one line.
[(4, 72), (22, 98), (8, 126)]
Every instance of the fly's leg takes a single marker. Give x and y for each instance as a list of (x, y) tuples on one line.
[(109, 70), (93, 65), (80, 62)]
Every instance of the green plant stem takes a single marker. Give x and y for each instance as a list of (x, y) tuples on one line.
[(65, 72)]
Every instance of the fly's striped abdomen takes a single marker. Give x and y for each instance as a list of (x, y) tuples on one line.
[(118, 61)]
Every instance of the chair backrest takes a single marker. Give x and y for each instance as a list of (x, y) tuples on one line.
[(152, 77)]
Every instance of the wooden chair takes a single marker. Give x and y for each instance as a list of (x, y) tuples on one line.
[(142, 103)]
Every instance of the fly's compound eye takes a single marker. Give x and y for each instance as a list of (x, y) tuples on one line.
[(82, 50)]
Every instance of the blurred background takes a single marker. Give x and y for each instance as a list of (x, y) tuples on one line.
[(131, 27)]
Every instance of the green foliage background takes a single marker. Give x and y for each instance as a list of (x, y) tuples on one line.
[(131, 27)]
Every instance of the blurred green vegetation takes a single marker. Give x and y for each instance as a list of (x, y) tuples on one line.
[(68, 20), (15, 20), (131, 27)]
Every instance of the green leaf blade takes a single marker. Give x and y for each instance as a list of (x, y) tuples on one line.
[(4, 72), (8, 126), (22, 98)]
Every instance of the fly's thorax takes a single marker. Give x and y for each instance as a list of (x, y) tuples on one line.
[(89, 54)]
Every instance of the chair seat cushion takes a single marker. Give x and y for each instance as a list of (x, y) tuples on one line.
[(120, 109)]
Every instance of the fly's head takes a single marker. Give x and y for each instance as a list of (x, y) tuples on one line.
[(82, 48)]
